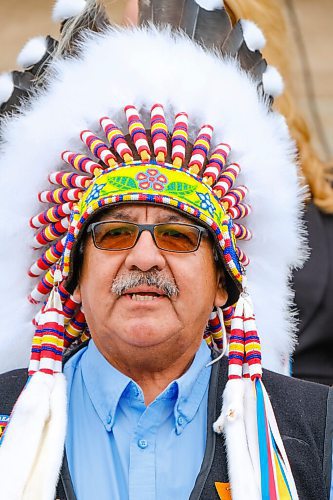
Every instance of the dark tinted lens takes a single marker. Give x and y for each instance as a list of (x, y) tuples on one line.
[(115, 235), (176, 237)]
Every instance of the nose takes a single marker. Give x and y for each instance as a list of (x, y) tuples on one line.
[(145, 255)]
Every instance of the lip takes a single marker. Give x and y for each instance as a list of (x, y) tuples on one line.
[(145, 289)]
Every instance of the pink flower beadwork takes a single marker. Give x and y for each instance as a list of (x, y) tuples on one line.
[(151, 178)]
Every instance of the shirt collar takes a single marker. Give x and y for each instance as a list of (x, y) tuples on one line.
[(106, 385)]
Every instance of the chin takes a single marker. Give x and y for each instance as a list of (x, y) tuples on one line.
[(146, 334)]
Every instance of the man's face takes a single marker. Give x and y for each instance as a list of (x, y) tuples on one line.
[(144, 316)]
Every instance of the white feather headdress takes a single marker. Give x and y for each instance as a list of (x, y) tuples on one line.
[(143, 66)]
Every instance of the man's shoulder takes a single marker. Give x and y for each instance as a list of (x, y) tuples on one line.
[(11, 385), (301, 407), (290, 388)]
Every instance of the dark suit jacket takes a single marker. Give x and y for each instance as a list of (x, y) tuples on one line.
[(313, 358), (304, 412)]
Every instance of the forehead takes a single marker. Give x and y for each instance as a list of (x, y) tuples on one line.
[(136, 211)]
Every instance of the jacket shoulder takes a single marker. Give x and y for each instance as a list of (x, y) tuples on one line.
[(304, 413), (11, 385), (299, 405)]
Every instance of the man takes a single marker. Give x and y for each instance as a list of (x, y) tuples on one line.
[(143, 257)]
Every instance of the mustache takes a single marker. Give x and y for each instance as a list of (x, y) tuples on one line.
[(133, 279)]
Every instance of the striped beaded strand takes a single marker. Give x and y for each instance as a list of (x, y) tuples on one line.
[(159, 133), (137, 133)]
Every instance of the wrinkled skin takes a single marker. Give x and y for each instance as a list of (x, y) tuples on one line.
[(153, 341)]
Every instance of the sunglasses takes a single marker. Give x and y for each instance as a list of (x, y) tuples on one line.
[(122, 235)]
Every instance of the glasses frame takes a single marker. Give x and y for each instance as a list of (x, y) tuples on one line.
[(146, 227)]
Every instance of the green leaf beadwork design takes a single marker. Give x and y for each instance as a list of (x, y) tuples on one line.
[(180, 187)]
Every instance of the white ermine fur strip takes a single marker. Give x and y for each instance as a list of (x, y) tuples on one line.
[(44, 475), (231, 421), (23, 436)]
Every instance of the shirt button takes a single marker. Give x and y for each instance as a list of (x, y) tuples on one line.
[(108, 420), (180, 420), (142, 443)]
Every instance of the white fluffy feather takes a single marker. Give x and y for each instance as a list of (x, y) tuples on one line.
[(6, 87), (65, 9), (253, 36), (32, 52), (84, 90), (210, 4), (272, 82)]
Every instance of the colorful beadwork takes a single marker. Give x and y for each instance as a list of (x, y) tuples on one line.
[(159, 132), (70, 180), (98, 148), (51, 256), (216, 163), (226, 180), (200, 149), (50, 233), (234, 197), (116, 139), (137, 132), (52, 214), (179, 139), (81, 162)]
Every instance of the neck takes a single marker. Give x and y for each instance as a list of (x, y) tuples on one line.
[(153, 369)]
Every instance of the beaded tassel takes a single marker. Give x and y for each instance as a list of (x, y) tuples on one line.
[(200, 149), (98, 148), (243, 259), (137, 132), (179, 139), (159, 132), (216, 329), (82, 163), (48, 258), (241, 232), (116, 139), (216, 164), (70, 180), (43, 288), (74, 327), (236, 343), (239, 211), (53, 214), (234, 197), (50, 233), (226, 180), (60, 196), (48, 342)]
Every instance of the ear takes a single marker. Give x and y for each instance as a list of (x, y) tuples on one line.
[(221, 295), (77, 294)]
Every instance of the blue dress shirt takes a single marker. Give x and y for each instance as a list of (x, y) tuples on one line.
[(119, 449)]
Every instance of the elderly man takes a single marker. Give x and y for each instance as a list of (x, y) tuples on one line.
[(140, 274)]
